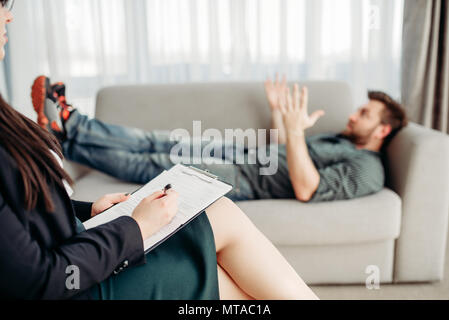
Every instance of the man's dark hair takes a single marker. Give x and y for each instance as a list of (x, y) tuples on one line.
[(394, 114)]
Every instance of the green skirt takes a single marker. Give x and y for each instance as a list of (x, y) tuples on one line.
[(184, 267)]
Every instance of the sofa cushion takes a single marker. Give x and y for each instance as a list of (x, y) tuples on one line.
[(95, 184), (290, 223), (75, 170), (218, 105)]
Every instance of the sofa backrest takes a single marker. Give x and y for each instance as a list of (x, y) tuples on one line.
[(217, 105)]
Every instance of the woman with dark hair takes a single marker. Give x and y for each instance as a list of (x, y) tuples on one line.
[(46, 254)]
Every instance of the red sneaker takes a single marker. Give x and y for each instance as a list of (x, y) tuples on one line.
[(58, 90), (40, 91), (46, 106)]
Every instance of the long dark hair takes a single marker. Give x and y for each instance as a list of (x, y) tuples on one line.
[(30, 146)]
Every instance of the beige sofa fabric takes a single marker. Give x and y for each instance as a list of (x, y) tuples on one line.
[(419, 173), (342, 264), (219, 106), (290, 223)]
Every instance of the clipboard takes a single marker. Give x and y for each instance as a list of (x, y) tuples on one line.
[(218, 190), (207, 174), (204, 172)]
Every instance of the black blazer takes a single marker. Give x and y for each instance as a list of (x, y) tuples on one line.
[(37, 247)]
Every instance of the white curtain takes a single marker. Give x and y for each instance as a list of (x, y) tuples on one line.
[(94, 43)]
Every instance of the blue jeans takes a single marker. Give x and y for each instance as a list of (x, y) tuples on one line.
[(138, 156)]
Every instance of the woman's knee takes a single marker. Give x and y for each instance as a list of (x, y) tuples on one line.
[(225, 210), (227, 221)]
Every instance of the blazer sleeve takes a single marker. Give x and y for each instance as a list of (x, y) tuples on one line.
[(83, 210), (30, 271)]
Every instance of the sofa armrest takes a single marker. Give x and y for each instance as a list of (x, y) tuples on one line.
[(418, 171), (76, 171)]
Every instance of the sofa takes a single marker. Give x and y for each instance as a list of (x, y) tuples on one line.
[(397, 235)]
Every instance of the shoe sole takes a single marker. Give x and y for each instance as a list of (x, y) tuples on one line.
[(38, 96)]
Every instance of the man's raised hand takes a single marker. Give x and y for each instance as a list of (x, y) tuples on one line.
[(295, 112), (274, 91)]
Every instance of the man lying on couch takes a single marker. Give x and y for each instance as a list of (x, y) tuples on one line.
[(319, 168)]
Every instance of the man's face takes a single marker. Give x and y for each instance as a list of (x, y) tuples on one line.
[(365, 124)]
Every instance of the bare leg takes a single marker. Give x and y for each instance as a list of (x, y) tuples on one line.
[(250, 259), (229, 290)]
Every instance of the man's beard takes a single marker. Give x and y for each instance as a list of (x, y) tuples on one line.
[(357, 139)]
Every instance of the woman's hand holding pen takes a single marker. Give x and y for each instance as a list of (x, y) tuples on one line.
[(156, 211)]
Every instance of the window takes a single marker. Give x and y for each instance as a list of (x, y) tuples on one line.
[(94, 43)]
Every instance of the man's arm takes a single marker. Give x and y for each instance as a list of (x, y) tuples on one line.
[(277, 123), (304, 177), (274, 90)]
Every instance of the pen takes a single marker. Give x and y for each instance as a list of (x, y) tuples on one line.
[(167, 187)]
